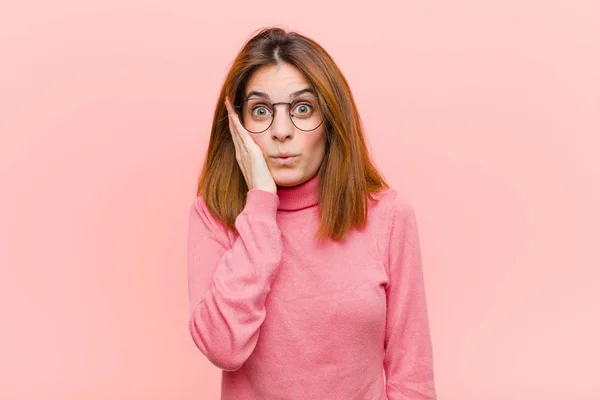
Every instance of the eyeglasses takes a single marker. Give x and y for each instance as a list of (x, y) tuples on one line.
[(257, 114)]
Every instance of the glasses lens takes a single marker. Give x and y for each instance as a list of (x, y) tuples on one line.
[(257, 114), (306, 113)]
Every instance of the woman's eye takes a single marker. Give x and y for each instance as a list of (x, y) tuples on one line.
[(303, 109), (260, 111)]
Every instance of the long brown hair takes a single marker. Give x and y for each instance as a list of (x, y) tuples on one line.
[(347, 175)]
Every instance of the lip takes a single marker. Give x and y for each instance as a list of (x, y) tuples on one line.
[(283, 160), (285, 155)]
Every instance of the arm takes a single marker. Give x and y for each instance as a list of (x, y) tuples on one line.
[(227, 284), (408, 361)]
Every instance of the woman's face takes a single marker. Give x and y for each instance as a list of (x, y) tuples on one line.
[(279, 82)]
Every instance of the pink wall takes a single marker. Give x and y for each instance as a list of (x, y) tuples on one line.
[(486, 113)]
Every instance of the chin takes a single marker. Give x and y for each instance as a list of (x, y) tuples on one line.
[(287, 183), (288, 178)]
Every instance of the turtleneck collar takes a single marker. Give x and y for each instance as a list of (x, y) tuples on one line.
[(300, 196)]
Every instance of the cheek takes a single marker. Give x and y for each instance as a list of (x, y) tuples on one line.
[(259, 142), (316, 144)]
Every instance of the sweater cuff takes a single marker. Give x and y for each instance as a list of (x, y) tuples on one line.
[(261, 202)]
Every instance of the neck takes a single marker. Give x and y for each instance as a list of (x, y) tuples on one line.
[(300, 196)]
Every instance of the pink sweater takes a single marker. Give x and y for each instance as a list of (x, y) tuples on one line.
[(286, 318)]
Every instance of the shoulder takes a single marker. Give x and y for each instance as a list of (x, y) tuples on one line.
[(394, 204), (398, 215), (401, 226), (201, 217), (199, 209)]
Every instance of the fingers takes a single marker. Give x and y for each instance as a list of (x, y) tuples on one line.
[(243, 136), (232, 129), (240, 152)]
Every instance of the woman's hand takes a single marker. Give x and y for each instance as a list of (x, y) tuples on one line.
[(249, 155)]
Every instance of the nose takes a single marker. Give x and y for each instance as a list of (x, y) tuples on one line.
[(282, 125)]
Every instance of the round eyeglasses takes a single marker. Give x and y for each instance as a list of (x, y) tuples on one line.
[(257, 114)]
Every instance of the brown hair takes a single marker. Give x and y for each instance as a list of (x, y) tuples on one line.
[(347, 175)]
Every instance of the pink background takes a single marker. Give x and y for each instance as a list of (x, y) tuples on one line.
[(485, 113)]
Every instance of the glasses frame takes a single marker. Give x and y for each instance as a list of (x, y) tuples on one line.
[(239, 108)]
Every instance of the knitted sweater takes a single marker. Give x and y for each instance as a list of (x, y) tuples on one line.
[(284, 317)]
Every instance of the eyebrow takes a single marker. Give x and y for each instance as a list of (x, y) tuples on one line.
[(293, 95)]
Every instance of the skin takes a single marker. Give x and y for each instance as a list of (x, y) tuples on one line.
[(279, 81)]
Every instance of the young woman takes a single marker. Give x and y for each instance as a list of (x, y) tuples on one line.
[(305, 276)]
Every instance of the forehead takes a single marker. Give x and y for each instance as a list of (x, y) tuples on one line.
[(277, 81)]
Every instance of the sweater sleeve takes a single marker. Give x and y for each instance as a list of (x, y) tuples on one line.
[(408, 360), (228, 283)]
